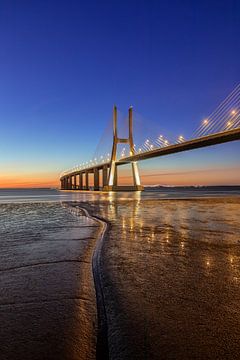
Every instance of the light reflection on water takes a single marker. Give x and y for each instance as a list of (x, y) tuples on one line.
[(171, 270), (43, 195)]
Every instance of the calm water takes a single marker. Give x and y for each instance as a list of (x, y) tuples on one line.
[(171, 275), (39, 195), (170, 265)]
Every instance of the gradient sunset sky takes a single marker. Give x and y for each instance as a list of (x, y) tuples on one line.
[(63, 64)]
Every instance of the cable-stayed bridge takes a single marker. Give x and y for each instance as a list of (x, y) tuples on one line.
[(222, 125)]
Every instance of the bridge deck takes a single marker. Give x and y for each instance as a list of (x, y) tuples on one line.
[(209, 140)]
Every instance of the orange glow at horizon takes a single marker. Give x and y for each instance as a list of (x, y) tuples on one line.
[(28, 180), (185, 177), (217, 176)]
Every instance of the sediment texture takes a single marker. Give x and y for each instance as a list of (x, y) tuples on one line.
[(47, 302), (170, 274)]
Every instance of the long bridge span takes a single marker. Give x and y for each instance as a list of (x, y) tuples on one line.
[(225, 116)]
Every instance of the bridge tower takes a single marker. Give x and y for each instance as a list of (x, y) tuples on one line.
[(112, 181)]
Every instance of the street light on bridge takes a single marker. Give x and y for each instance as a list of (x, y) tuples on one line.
[(181, 138)]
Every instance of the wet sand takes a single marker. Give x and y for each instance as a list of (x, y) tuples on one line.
[(47, 302), (167, 276), (170, 271)]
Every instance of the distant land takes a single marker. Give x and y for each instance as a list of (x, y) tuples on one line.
[(195, 187), (153, 187)]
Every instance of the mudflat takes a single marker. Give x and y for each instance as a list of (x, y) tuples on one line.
[(171, 278), (47, 302), (168, 271)]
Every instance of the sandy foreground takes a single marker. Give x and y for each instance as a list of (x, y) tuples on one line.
[(47, 302), (170, 272), (166, 275)]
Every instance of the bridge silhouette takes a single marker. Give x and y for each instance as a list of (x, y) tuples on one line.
[(222, 126)]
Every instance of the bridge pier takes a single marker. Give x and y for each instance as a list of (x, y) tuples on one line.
[(104, 176), (110, 169), (115, 177), (81, 181), (96, 179), (75, 182), (112, 183), (86, 181)]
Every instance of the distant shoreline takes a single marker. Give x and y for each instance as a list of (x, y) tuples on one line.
[(157, 187)]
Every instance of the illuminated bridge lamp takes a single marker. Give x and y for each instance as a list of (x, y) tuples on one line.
[(205, 121)]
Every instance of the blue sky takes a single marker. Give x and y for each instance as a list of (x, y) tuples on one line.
[(63, 64)]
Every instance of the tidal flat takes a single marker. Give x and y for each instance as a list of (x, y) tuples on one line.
[(169, 273), (171, 278), (47, 302)]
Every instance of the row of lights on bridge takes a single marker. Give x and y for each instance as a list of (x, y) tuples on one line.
[(229, 122), (147, 146)]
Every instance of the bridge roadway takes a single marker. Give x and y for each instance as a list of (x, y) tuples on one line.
[(70, 181)]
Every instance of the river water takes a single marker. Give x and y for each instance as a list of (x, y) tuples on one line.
[(170, 266)]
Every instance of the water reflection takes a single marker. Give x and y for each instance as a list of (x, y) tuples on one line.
[(180, 224), (171, 269), (179, 261)]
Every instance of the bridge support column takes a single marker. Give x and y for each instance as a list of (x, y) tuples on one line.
[(136, 178), (105, 176), (75, 182), (81, 181), (109, 177), (112, 184), (86, 181), (96, 179), (115, 179)]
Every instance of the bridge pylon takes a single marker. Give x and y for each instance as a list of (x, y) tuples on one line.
[(112, 181)]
